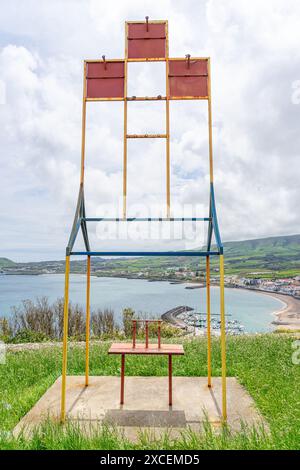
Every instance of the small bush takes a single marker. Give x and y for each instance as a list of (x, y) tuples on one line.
[(103, 323), (128, 316), (166, 330), (29, 336), (36, 321)]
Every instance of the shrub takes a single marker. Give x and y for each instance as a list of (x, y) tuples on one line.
[(166, 330), (128, 316), (36, 321), (28, 336), (103, 323), (5, 330)]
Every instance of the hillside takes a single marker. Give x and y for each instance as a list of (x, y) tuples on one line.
[(262, 257), (264, 254), (5, 262), (285, 245)]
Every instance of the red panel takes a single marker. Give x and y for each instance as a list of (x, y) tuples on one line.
[(180, 67), (188, 81), (98, 70), (139, 30), (146, 48), (146, 44), (105, 81)]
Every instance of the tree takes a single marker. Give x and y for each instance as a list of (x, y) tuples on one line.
[(128, 315)]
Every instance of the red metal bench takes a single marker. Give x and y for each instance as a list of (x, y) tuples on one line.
[(146, 349)]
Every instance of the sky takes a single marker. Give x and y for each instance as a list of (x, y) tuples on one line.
[(255, 54)]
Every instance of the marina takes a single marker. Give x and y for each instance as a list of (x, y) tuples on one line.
[(187, 318)]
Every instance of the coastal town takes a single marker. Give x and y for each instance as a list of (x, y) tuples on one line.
[(286, 289), (262, 281), (286, 286)]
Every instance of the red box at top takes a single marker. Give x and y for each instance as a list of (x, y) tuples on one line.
[(188, 79), (105, 80), (143, 44)]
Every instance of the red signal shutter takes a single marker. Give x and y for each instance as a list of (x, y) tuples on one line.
[(105, 79), (188, 79), (146, 44)]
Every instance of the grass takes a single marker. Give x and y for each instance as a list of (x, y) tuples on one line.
[(263, 364)]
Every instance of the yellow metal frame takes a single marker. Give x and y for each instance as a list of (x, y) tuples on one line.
[(87, 324), (126, 99), (223, 339), (65, 341)]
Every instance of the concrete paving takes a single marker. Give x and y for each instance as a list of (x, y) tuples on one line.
[(146, 404)]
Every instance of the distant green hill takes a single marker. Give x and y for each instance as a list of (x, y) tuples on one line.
[(285, 245), (262, 257), (280, 254), (5, 263)]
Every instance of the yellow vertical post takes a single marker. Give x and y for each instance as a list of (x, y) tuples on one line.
[(125, 126), (210, 143), (87, 323), (83, 124), (168, 184), (65, 341), (208, 318), (223, 339)]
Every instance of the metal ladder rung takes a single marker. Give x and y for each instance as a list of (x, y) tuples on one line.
[(146, 136), (146, 98)]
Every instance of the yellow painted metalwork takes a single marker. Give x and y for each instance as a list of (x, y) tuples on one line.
[(87, 322), (146, 136), (210, 142), (150, 22), (83, 125), (208, 318), (150, 98), (146, 98), (223, 339), (125, 127), (168, 183), (166, 98), (144, 59), (65, 341)]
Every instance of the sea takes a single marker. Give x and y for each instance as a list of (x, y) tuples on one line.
[(251, 309)]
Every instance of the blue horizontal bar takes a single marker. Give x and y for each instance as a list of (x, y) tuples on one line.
[(146, 219), (145, 253)]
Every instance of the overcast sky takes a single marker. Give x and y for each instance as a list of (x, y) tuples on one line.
[(254, 47)]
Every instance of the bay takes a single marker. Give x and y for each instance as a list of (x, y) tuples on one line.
[(252, 309)]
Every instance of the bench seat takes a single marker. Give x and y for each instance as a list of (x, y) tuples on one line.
[(127, 348), (147, 349)]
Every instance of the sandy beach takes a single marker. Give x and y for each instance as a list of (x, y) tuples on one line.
[(288, 317)]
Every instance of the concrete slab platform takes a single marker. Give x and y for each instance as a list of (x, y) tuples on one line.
[(146, 404)]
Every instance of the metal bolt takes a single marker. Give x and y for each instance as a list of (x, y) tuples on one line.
[(188, 57)]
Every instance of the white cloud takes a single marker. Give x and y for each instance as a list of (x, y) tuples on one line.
[(255, 55)]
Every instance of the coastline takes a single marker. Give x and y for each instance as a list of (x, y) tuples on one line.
[(288, 316), (285, 318)]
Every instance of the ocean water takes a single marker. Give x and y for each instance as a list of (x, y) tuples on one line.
[(253, 310)]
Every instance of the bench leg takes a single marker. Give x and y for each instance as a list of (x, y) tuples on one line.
[(170, 379), (122, 378)]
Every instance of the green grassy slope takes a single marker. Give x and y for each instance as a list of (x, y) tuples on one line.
[(261, 363), (280, 254), (5, 262)]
